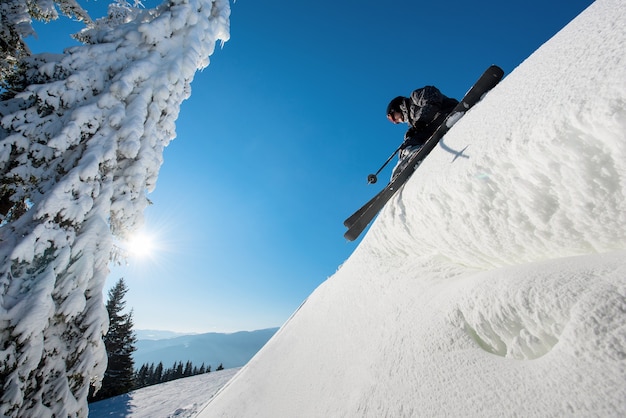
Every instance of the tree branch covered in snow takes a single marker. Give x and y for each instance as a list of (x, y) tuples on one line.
[(79, 149), (16, 25)]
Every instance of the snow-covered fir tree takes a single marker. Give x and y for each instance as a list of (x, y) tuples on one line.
[(80, 147), (120, 344), (16, 25)]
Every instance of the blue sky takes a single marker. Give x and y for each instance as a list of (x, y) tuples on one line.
[(275, 143)]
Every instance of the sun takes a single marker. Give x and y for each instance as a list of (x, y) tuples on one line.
[(140, 245), (147, 243)]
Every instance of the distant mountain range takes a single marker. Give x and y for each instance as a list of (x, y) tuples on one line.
[(230, 350), (151, 334)]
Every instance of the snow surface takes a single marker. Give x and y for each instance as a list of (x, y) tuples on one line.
[(494, 283), (181, 398)]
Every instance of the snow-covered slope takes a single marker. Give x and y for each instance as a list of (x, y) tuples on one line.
[(180, 398), (494, 284)]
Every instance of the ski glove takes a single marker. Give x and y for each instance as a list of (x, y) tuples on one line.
[(413, 137)]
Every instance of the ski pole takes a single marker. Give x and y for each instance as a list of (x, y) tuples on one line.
[(371, 178)]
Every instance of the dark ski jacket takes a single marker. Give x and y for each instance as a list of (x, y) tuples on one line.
[(424, 111)]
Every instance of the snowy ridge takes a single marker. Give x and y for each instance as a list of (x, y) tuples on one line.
[(494, 283), (552, 136)]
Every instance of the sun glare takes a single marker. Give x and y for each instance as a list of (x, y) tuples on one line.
[(140, 245), (147, 245)]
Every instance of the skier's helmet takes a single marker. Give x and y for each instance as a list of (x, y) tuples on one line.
[(394, 105)]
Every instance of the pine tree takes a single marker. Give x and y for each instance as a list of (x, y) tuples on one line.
[(158, 374), (179, 370), (120, 344), (148, 375), (81, 143), (188, 369), (16, 25), (141, 377)]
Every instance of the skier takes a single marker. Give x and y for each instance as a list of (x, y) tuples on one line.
[(423, 111)]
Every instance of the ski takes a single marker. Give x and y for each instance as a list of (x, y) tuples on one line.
[(358, 221), (356, 215)]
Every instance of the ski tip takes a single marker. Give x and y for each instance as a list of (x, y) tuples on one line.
[(496, 71), (350, 237)]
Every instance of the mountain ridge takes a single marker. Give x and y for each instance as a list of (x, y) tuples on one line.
[(213, 348)]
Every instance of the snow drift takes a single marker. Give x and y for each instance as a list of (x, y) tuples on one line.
[(494, 283)]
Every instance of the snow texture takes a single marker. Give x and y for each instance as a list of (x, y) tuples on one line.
[(491, 285), (182, 398), (83, 145)]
